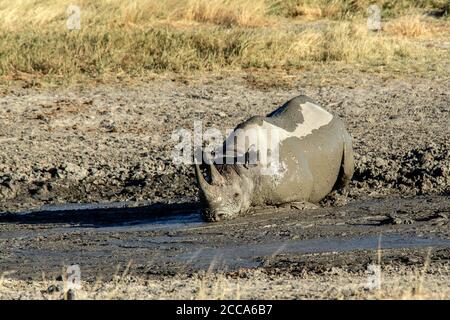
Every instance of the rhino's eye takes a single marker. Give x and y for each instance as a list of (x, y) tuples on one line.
[(236, 195)]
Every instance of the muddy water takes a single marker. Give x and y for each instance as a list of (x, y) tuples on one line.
[(243, 256), (170, 223), (161, 239)]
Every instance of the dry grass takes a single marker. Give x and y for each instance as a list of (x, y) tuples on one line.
[(246, 13), (407, 26), (341, 9), (429, 281), (135, 38), (23, 14), (397, 283), (20, 14), (314, 10)]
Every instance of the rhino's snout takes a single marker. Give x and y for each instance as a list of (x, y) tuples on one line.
[(215, 216), (224, 196)]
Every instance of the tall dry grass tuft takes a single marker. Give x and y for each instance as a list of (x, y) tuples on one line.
[(351, 43), (407, 26), (247, 13), (17, 14), (315, 11), (319, 9)]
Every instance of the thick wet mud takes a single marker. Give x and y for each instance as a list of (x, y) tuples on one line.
[(169, 239), (113, 144)]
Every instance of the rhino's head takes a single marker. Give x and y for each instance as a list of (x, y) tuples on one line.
[(228, 194)]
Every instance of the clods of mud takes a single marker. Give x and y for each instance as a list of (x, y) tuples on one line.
[(178, 241), (113, 143), (417, 171)]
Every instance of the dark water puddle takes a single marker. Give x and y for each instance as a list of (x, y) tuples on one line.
[(101, 218), (250, 255), (102, 215), (81, 206), (170, 222), (188, 254), (103, 235)]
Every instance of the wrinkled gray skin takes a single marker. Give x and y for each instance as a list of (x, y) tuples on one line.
[(315, 164)]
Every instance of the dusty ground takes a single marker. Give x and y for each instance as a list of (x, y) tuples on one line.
[(112, 143), (396, 283)]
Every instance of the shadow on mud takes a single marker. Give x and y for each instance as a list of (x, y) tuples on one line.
[(104, 215)]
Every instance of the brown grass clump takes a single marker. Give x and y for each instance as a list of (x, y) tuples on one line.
[(246, 13), (315, 11), (407, 26)]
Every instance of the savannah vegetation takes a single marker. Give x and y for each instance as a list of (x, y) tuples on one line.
[(133, 39)]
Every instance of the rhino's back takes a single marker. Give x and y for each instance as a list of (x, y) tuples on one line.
[(299, 117), (323, 151), (304, 131), (314, 134)]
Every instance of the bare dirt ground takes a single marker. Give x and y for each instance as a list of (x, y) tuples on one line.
[(397, 283), (112, 143)]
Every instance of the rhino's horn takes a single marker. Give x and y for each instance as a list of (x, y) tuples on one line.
[(204, 185), (216, 177)]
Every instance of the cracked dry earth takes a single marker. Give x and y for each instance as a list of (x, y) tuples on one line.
[(111, 144)]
